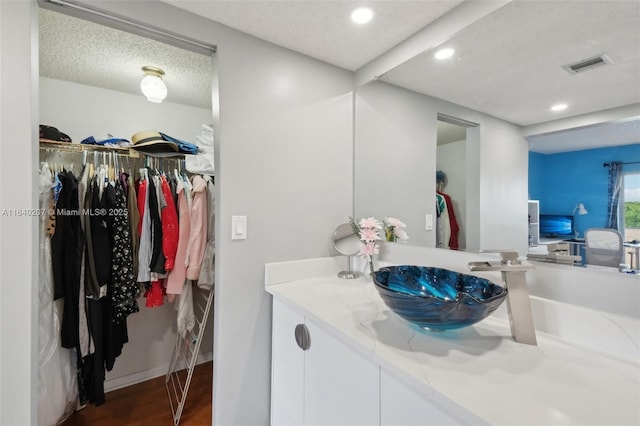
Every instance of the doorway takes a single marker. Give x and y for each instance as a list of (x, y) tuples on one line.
[(90, 74), (452, 176)]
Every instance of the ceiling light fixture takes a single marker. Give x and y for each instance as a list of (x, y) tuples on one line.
[(152, 85), (559, 107), (362, 15), (444, 53)]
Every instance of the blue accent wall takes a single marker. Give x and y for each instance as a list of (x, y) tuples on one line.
[(560, 181)]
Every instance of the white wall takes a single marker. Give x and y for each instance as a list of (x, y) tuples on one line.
[(81, 111), (400, 125), (452, 160), (284, 159), (285, 162), (19, 240)]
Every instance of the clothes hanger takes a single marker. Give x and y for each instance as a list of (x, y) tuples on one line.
[(111, 168), (116, 167)]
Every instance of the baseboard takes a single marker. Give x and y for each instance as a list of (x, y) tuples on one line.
[(143, 376)]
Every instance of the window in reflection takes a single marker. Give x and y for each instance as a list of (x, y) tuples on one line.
[(630, 212)]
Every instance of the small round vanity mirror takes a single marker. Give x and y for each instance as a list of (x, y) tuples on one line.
[(347, 244)]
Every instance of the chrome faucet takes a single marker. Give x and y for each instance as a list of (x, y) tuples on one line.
[(518, 303)]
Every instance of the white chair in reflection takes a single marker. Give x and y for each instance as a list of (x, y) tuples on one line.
[(603, 247)]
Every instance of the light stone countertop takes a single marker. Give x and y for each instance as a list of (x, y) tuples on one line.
[(479, 367)]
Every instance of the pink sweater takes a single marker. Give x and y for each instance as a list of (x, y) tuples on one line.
[(198, 232), (177, 276)]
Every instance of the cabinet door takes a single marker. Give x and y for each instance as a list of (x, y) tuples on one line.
[(401, 406), (287, 367), (341, 387)]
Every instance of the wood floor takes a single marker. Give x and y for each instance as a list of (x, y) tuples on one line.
[(147, 404)]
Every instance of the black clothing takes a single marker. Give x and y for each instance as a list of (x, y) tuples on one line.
[(157, 256), (108, 254), (101, 229), (91, 283), (93, 364), (66, 254), (124, 289)]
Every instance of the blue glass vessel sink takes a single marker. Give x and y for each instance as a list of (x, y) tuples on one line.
[(435, 298)]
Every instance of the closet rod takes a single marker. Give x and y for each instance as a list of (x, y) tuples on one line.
[(77, 147)]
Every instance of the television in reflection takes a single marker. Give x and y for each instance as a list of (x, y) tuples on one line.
[(556, 225)]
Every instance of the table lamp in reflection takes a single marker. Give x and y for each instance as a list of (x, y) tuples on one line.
[(579, 209)]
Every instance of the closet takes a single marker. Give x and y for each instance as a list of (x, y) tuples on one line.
[(82, 109)]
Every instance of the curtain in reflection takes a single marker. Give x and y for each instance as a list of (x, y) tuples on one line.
[(615, 183)]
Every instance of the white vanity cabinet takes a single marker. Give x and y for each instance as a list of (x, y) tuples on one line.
[(366, 366), (327, 384), (287, 367)]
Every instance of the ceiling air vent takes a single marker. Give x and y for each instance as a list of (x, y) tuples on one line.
[(588, 64)]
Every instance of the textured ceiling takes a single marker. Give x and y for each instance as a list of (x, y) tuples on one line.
[(80, 51), (323, 29), (509, 63)]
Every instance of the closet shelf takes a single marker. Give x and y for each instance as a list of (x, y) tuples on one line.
[(77, 147)]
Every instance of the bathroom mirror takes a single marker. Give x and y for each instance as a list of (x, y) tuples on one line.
[(501, 90), (347, 244)]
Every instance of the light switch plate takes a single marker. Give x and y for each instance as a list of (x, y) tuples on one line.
[(238, 227), (428, 218)]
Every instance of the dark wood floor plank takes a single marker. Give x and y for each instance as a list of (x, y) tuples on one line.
[(147, 404)]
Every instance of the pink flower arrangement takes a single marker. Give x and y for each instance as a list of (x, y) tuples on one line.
[(394, 229), (368, 229)]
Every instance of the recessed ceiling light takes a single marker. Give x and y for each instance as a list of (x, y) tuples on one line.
[(444, 53), (362, 15), (559, 107)]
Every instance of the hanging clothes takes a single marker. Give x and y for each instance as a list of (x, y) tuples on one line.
[(104, 230), (134, 222), (144, 232), (198, 231), (156, 203), (207, 272), (186, 318), (57, 386), (92, 287), (125, 290), (177, 276), (170, 226), (452, 241), (443, 229), (100, 224), (117, 290), (86, 343), (66, 245)]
